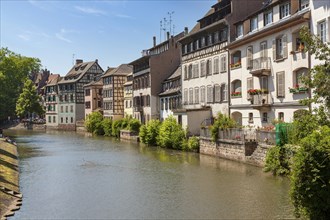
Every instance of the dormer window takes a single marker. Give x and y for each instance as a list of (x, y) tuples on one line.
[(197, 44), (254, 23), (284, 10), (209, 40), (304, 4), (239, 30), (216, 37), (268, 17), (203, 42)]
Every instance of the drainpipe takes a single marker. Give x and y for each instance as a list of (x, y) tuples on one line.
[(228, 87), (309, 74)]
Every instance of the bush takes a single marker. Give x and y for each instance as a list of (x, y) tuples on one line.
[(93, 123), (143, 134), (171, 134), (134, 125), (222, 122), (192, 144), (310, 179), (116, 127), (107, 126), (279, 160), (149, 133)]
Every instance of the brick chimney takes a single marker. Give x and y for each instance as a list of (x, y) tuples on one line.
[(78, 61), (185, 30)]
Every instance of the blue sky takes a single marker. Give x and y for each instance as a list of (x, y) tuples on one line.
[(114, 32)]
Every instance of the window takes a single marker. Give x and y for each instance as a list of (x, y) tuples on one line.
[(66, 108), (239, 30), (284, 10), (250, 117), (223, 65), (223, 92), (71, 119), (264, 117), (54, 119), (203, 42), (216, 65), (254, 23), (196, 44), (236, 59), (249, 84), (280, 50), (185, 97), (264, 83), (300, 74), (304, 4), (191, 96), (216, 37), (281, 116), (87, 92), (190, 71), (196, 95), (210, 94), (66, 120), (61, 119), (71, 97), (209, 40), (61, 109), (71, 108), (321, 31), (88, 105), (196, 70), (209, 67), (203, 68), (166, 104), (49, 119), (217, 93), (223, 35), (203, 95), (236, 88), (268, 17), (249, 57), (263, 49), (185, 72), (280, 84)]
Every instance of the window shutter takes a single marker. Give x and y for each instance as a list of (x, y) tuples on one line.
[(249, 58), (285, 48), (217, 93), (249, 86), (280, 84), (225, 92), (274, 49)]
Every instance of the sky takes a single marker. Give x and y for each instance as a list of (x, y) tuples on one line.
[(114, 32)]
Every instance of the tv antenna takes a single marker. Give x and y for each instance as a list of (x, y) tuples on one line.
[(170, 22), (73, 58)]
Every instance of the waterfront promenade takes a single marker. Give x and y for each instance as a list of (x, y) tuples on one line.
[(10, 199)]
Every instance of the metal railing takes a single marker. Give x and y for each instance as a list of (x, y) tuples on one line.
[(261, 63), (266, 137), (261, 99)]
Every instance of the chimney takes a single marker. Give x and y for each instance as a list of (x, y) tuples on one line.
[(168, 35), (185, 30), (78, 61), (154, 38), (96, 60)]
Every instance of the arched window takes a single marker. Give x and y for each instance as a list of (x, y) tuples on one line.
[(236, 86), (236, 59), (299, 76)]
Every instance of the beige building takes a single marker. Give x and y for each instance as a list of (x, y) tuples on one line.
[(267, 64), (149, 71), (51, 101), (128, 96), (113, 91), (93, 97)]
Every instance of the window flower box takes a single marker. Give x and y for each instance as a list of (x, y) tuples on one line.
[(298, 89), (236, 94), (235, 65)]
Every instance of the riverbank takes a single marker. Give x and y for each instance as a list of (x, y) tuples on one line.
[(10, 198)]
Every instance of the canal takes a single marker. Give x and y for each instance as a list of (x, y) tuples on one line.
[(66, 175)]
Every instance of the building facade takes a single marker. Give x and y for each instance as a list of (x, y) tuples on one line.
[(205, 62), (93, 97), (128, 96), (149, 71), (170, 96), (268, 63), (113, 91), (72, 95), (51, 101)]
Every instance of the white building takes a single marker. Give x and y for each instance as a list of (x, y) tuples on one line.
[(51, 101), (267, 63)]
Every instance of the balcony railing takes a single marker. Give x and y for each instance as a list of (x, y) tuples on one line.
[(261, 66), (261, 101)]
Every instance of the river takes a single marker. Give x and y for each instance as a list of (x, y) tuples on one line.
[(67, 175)]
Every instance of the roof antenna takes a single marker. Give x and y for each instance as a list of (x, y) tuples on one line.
[(73, 58)]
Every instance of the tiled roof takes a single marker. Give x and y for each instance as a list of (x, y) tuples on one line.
[(170, 91), (98, 82), (53, 79), (176, 73), (122, 70)]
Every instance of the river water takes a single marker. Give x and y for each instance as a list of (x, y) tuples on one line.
[(65, 175)]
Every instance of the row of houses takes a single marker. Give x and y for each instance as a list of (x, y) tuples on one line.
[(243, 58)]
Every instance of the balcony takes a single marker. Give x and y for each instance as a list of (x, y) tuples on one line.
[(138, 108), (261, 67), (261, 102)]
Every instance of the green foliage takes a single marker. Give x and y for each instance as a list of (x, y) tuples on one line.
[(319, 78), (93, 123), (171, 134), (192, 144), (149, 133), (107, 126), (279, 160), (222, 122), (310, 179), (117, 126), (14, 71), (134, 125), (29, 101)]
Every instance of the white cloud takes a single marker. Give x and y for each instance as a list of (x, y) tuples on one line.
[(124, 16), (89, 10), (62, 33), (24, 37)]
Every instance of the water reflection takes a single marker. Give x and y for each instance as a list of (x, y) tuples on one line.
[(75, 176)]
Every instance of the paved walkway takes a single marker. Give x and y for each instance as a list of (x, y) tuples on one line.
[(10, 199)]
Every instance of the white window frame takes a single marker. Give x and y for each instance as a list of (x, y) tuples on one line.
[(268, 17), (285, 10), (322, 30), (239, 30), (223, 62), (254, 24), (216, 65)]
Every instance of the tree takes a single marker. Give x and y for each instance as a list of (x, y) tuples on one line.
[(93, 123), (319, 79), (149, 133), (14, 71), (310, 179), (29, 101), (171, 134)]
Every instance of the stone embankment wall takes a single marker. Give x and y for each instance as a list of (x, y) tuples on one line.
[(128, 135), (247, 152)]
